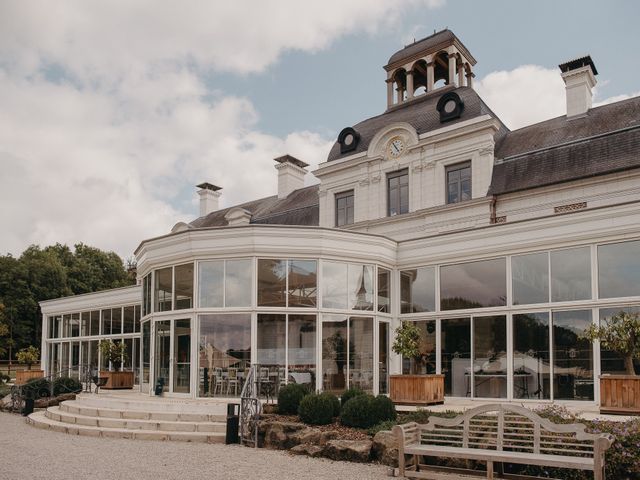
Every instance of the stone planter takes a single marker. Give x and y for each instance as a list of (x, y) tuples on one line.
[(117, 380), (23, 376), (417, 389), (620, 394)]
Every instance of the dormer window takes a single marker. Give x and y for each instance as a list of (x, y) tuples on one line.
[(459, 182), (398, 192), (344, 208)]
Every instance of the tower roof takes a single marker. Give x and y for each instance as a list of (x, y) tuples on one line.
[(431, 44)]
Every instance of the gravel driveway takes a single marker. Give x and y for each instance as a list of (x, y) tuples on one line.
[(31, 453)]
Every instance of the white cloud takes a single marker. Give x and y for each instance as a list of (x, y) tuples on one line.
[(106, 118)]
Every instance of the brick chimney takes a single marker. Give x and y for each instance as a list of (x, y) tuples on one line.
[(291, 172), (579, 76), (209, 195)]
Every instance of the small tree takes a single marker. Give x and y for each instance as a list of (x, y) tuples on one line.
[(407, 342), (28, 356), (115, 353), (620, 334)]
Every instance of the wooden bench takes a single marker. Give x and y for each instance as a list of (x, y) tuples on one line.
[(499, 433)]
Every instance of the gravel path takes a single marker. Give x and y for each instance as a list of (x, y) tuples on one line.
[(31, 453)]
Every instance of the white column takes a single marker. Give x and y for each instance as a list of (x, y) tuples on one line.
[(452, 69), (470, 79), (460, 74), (430, 76), (389, 92), (409, 84)]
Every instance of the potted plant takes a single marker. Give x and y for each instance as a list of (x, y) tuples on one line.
[(415, 388), (621, 334), (28, 356), (115, 353)]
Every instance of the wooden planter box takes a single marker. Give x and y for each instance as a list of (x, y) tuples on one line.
[(117, 380), (620, 394), (417, 389), (23, 376)]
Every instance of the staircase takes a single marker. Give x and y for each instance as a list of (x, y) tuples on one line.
[(136, 416)]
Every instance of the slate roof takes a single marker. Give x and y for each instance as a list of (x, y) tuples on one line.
[(421, 113), (605, 140), (300, 207)]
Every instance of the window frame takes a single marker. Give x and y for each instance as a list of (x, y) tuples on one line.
[(392, 176), (344, 196), (454, 168)]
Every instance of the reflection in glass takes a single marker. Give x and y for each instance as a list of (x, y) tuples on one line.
[(334, 285), (182, 356), (302, 349), (384, 290), (619, 270), (93, 354), (74, 323), (146, 355), (361, 353), (146, 295), (238, 283), (271, 340), (74, 371), (106, 322), (426, 363), (531, 356), (129, 319), (95, 323), (163, 289), (383, 358), (530, 278), (490, 357), (225, 344), (183, 286), (334, 353), (473, 285), (162, 352), (418, 290), (272, 282), (302, 283), (360, 287), (611, 362), (85, 321), (210, 284), (116, 321), (456, 356), (572, 356), (571, 274)]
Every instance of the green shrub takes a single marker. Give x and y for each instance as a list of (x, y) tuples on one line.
[(359, 412), (37, 388), (316, 409), (66, 385), (384, 409), (289, 397), (378, 427), (349, 394), (335, 402)]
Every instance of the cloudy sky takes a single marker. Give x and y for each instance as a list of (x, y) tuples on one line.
[(111, 111)]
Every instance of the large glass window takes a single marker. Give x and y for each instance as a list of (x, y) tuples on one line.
[(211, 284), (384, 290), (347, 286), (418, 290), (146, 352), (271, 339), (361, 353), (272, 282), (85, 323), (383, 358), (530, 278), (334, 353), (302, 283), (572, 356), (116, 321), (344, 208), (183, 287), (302, 349), (129, 319), (74, 323), (531, 356), (106, 322), (490, 357), (163, 289), (456, 356), (146, 295), (619, 270), (426, 362), (95, 323), (473, 285), (571, 274), (238, 285), (459, 182), (224, 352), (398, 192), (611, 362)]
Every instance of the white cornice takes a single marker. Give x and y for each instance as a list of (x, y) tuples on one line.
[(91, 301)]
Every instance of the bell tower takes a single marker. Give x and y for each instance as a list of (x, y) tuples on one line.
[(426, 65)]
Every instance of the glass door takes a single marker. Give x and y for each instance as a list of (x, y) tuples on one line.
[(182, 356), (162, 353), (172, 355)]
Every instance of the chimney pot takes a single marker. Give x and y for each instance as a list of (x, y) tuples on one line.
[(209, 196), (291, 172), (579, 78)]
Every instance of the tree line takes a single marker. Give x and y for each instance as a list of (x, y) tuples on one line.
[(51, 272)]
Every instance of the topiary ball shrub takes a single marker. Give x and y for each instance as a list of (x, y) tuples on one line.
[(289, 397), (316, 409), (335, 402), (66, 385), (359, 412), (349, 394), (384, 409), (37, 388)]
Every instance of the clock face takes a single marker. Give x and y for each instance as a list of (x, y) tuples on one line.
[(396, 147)]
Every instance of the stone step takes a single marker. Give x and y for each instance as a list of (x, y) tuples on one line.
[(151, 404), (60, 415), (80, 407), (40, 420)]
